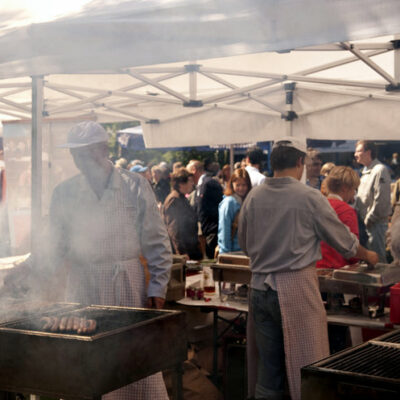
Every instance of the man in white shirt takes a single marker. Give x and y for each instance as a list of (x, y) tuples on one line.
[(254, 158), (373, 197)]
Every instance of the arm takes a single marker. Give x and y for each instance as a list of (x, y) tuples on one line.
[(369, 256), (225, 219), (242, 228), (171, 221), (331, 230), (349, 218), (154, 241), (337, 235)]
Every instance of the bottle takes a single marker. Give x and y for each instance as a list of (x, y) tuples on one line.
[(208, 281)]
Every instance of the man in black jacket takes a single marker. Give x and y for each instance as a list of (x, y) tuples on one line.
[(208, 195)]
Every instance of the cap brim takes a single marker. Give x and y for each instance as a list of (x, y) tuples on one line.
[(77, 145), (72, 145)]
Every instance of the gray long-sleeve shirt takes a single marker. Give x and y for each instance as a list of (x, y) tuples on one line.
[(281, 225), (373, 195), (116, 228)]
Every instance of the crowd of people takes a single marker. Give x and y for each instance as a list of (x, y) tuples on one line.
[(287, 229), (211, 196), (200, 202)]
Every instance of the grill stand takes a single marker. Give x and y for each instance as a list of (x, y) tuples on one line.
[(177, 387), (72, 368)]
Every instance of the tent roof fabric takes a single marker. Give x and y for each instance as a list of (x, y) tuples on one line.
[(127, 33), (113, 62)]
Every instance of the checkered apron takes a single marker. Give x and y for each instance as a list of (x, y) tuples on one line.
[(304, 323), (118, 279)]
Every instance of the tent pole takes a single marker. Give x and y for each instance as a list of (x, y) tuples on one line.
[(289, 89), (231, 156), (36, 181), (193, 82), (396, 61)]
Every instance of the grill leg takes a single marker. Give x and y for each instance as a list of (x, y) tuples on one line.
[(177, 385)]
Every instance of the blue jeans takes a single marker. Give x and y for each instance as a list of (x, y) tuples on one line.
[(269, 339), (377, 240)]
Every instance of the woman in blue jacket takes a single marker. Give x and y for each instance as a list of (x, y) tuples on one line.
[(228, 210)]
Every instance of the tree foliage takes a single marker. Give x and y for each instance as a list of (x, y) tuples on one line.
[(152, 156)]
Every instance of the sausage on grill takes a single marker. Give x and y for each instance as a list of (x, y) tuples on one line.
[(82, 326), (47, 323), (77, 323), (56, 325), (63, 324), (70, 324)]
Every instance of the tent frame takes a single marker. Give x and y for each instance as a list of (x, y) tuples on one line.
[(122, 103), (89, 101)]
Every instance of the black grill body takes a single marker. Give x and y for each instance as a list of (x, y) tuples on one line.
[(370, 371), (128, 344)]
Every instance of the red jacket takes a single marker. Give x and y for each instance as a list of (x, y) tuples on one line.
[(330, 257)]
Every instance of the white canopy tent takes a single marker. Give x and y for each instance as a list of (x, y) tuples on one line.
[(93, 64), (219, 82)]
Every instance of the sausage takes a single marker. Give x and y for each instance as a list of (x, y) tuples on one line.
[(56, 325), (87, 326), (77, 323), (82, 326), (47, 323), (63, 324), (70, 324), (91, 326)]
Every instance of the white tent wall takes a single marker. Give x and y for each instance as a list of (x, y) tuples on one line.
[(214, 127), (215, 124), (366, 118)]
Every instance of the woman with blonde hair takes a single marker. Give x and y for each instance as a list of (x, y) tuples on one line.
[(341, 183), (228, 211)]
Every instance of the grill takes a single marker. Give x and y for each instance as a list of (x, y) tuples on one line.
[(368, 371), (370, 284), (128, 344), (372, 360)]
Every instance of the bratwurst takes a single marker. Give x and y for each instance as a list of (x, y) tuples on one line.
[(69, 324)]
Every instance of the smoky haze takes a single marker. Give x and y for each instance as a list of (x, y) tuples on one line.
[(33, 288)]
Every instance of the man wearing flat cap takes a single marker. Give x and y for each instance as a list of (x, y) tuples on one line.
[(100, 222), (281, 224)]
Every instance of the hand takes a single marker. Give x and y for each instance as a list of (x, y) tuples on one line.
[(185, 257), (372, 257), (155, 302)]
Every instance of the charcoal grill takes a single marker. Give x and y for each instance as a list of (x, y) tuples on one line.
[(128, 344), (366, 372), (232, 267), (370, 284)]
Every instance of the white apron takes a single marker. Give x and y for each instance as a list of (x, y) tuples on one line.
[(118, 279), (304, 323)]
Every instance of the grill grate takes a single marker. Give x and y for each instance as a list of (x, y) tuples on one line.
[(373, 360), (394, 338), (107, 320)]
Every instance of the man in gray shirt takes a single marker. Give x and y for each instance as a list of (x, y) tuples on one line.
[(373, 197), (281, 225)]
